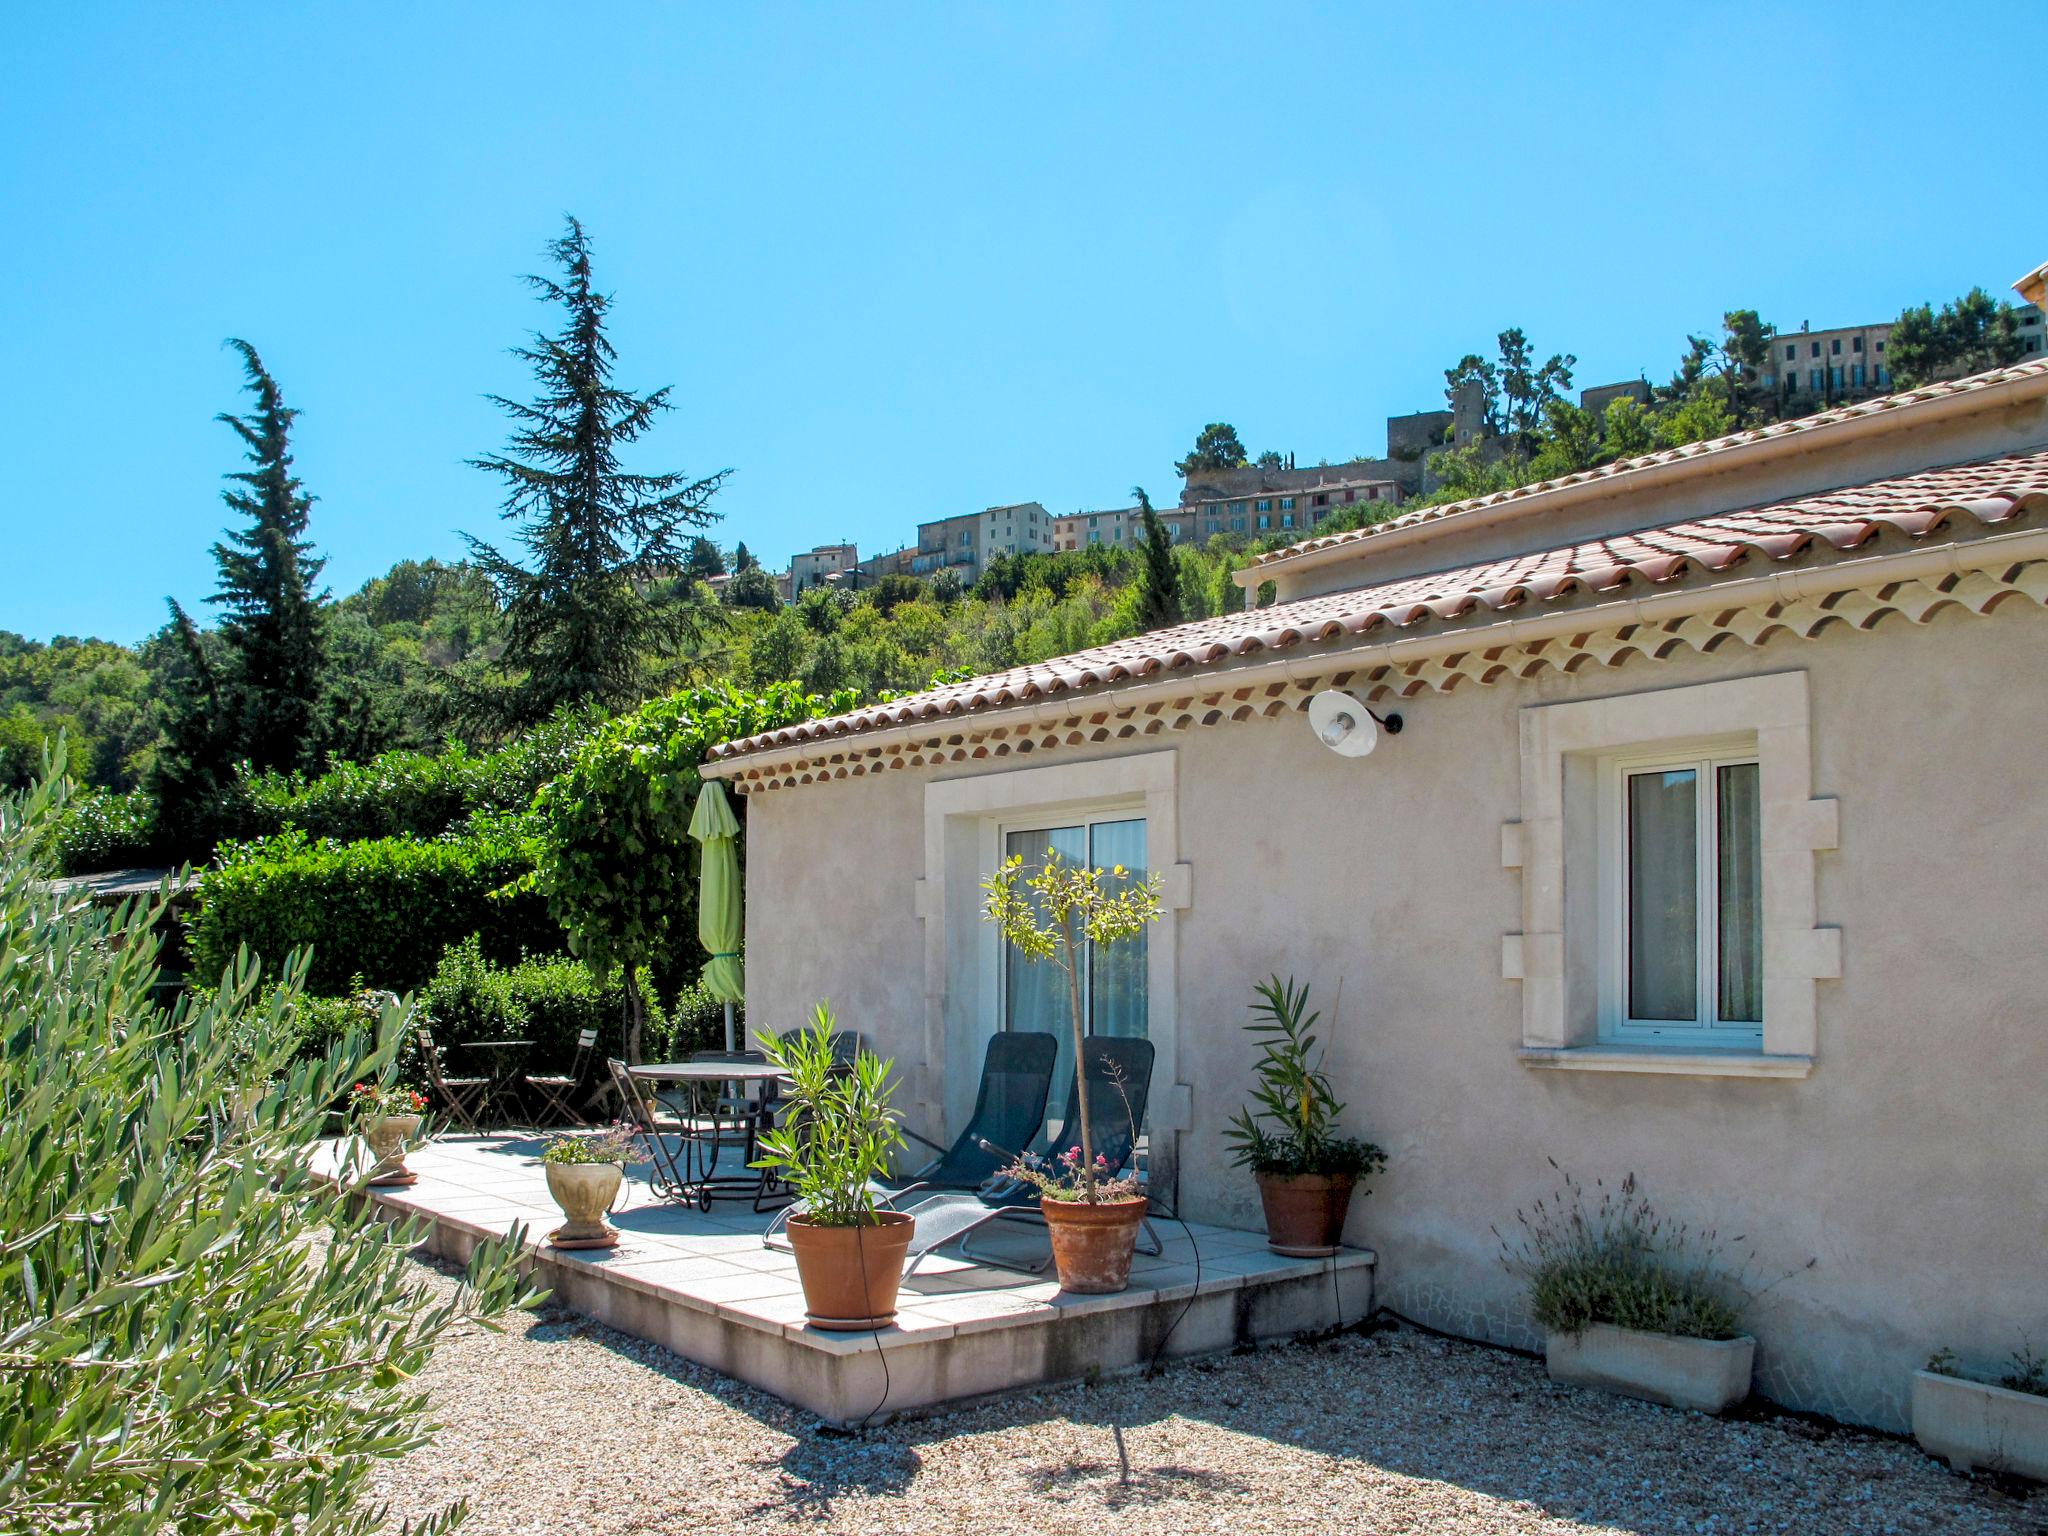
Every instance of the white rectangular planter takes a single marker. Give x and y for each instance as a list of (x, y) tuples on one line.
[(1705, 1374), (1975, 1424)]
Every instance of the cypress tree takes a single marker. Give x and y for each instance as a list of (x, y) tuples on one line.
[(581, 622), (1158, 582), (270, 611)]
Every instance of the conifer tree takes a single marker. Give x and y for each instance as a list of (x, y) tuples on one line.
[(1159, 582), (581, 622), (270, 610)]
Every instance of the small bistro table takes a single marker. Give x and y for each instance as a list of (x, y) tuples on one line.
[(503, 1059), (696, 1179)]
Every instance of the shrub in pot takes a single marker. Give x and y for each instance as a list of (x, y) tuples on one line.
[(388, 1117), (1059, 913), (835, 1136), (584, 1174), (2001, 1425), (1631, 1303), (1307, 1173)]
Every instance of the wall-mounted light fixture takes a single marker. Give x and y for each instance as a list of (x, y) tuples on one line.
[(1346, 724)]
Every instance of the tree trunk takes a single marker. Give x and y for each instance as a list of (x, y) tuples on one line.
[(635, 1013), (1080, 1061)]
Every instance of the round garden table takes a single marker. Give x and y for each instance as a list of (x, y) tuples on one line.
[(714, 1114)]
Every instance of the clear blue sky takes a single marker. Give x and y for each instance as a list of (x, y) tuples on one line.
[(902, 261)]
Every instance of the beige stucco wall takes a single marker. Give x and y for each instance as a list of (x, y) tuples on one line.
[(1912, 1165)]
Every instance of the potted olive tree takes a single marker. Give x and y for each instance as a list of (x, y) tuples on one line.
[(584, 1174), (1057, 914), (388, 1116), (834, 1138), (1630, 1302), (1307, 1173)]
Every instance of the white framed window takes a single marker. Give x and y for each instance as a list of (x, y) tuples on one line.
[(1115, 995), (1682, 919), (1667, 850)]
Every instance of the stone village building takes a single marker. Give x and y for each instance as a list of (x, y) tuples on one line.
[(1714, 849)]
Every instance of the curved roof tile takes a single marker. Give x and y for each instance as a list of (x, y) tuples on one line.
[(1878, 407), (1986, 492)]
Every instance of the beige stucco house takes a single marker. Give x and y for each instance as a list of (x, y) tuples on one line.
[(1715, 849)]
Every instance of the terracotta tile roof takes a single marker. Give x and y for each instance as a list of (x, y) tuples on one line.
[(1986, 492), (1804, 424)]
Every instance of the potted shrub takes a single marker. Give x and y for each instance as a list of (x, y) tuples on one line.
[(2000, 1425), (1630, 1304), (1057, 914), (1307, 1173), (834, 1138), (584, 1174), (388, 1118)]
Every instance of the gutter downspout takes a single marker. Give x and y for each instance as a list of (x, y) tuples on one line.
[(1319, 658)]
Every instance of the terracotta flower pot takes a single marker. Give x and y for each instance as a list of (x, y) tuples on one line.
[(585, 1192), (1092, 1244), (387, 1136), (1305, 1212), (851, 1275)]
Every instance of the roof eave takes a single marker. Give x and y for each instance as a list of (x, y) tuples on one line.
[(1651, 476)]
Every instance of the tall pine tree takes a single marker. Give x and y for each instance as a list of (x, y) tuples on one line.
[(1158, 581), (270, 609), (581, 622)]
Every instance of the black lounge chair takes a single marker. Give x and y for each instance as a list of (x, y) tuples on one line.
[(1009, 1112), (1111, 1062)]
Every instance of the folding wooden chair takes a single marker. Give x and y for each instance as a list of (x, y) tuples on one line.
[(562, 1095), (462, 1097)]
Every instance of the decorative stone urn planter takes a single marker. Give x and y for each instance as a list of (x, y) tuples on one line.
[(388, 1136), (1092, 1244), (1976, 1424), (1709, 1375), (585, 1192), (1305, 1212), (850, 1275)]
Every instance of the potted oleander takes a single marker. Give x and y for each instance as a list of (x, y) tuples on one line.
[(1630, 1302), (1059, 913), (834, 1137), (2001, 1425), (1307, 1173), (387, 1116), (584, 1174)]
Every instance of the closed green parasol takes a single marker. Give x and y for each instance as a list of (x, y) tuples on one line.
[(715, 828)]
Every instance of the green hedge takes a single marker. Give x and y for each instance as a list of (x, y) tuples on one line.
[(550, 1000), (395, 794), (376, 913)]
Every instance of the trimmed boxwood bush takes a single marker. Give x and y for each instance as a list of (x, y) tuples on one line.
[(548, 999), (377, 913)]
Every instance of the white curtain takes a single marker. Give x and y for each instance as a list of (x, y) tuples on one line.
[(1741, 907), (1663, 896)]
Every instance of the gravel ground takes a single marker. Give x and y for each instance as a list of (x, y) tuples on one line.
[(560, 1424)]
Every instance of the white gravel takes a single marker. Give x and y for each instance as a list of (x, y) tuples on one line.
[(562, 1425)]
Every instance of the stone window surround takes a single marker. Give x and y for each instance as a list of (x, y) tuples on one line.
[(1555, 846), (963, 821)]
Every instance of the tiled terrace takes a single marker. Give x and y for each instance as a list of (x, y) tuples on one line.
[(705, 1287)]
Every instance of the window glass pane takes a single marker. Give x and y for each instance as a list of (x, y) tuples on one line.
[(1117, 994), (1035, 991), (1741, 906), (1663, 896)]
